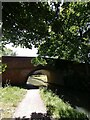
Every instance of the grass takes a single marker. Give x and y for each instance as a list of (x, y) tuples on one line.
[(9, 99), (58, 109)]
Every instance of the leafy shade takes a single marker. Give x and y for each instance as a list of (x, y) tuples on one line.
[(56, 32), (26, 23)]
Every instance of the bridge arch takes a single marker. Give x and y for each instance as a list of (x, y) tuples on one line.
[(41, 74)]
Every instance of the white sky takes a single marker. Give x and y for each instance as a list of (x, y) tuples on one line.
[(23, 51)]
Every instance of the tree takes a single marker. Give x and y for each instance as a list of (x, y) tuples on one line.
[(57, 32), (6, 51)]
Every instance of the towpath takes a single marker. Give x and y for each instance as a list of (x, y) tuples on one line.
[(32, 103)]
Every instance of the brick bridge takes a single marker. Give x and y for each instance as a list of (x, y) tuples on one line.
[(61, 72)]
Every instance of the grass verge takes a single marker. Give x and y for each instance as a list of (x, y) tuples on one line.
[(58, 109), (9, 99)]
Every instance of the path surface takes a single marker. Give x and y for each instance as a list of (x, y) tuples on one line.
[(30, 104)]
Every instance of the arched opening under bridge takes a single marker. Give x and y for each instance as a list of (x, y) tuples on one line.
[(38, 78)]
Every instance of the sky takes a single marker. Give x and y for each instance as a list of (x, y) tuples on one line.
[(23, 51)]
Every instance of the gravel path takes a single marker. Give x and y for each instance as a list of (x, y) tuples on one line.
[(30, 104)]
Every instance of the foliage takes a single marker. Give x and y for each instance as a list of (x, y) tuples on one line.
[(39, 61), (9, 99), (62, 32), (57, 108), (7, 52), (25, 23), (2, 67)]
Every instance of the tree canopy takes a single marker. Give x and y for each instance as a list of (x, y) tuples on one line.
[(62, 32)]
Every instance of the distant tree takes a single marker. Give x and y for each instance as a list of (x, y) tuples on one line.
[(6, 51)]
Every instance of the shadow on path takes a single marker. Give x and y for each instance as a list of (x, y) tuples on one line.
[(30, 86), (36, 116)]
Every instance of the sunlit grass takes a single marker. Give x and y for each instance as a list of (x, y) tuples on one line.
[(58, 109), (9, 99)]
